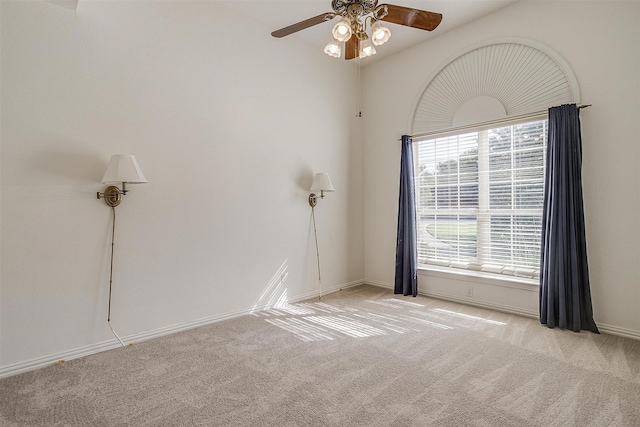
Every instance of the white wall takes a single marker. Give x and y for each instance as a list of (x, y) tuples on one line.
[(228, 131), (229, 134), (600, 42)]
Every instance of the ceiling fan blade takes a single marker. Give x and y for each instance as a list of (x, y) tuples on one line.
[(415, 18), (352, 47), (304, 24)]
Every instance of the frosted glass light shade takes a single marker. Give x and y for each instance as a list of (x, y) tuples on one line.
[(367, 49), (321, 182), (123, 168), (333, 48), (379, 33), (342, 30)]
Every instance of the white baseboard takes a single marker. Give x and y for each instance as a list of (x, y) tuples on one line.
[(41, 362), (454, 298), (483, 304), (604, 328), (17, 368), (378, 283), (616, 330)]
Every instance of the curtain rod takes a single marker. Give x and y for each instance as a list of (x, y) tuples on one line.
[(484, 124)]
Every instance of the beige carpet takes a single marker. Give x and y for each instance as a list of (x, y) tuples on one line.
[(362, 356)]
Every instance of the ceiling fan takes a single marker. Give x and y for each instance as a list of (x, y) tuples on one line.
[(351, 29)]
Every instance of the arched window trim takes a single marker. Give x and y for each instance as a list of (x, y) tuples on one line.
[(539, 99)]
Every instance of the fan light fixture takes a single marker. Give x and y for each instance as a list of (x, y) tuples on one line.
[(342, 32), (353, 24), (351, 29)]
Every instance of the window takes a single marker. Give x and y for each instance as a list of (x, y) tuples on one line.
[(479, 198)]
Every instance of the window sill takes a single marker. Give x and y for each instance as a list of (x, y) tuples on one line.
[(479, 277)]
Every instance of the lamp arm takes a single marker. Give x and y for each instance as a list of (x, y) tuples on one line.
[(313, 198), (112, 195)]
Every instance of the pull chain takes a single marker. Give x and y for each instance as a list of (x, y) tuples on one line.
[(358, 111)]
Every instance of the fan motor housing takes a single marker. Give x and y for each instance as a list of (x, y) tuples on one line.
[(353, 8)]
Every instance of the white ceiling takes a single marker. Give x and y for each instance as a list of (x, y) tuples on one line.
[(276, 14)]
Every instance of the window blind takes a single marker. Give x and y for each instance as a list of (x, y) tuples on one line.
[(479, 198)]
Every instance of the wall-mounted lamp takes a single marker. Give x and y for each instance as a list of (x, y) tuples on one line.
[(322, 183), (122, 168)]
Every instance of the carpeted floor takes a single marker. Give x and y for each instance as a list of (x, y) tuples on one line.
[(362, 356)]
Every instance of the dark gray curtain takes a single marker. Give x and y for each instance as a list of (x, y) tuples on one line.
[(406, 253), (565, 298)]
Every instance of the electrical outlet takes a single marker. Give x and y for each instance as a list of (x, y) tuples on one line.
[(470, 292)]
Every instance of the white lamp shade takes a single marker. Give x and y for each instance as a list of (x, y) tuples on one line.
[(321, 182), (123, 168)]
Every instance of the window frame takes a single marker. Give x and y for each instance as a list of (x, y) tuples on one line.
[(476, 269)]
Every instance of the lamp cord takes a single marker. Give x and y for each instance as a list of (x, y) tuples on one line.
[(315, 233), (113, 234)]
